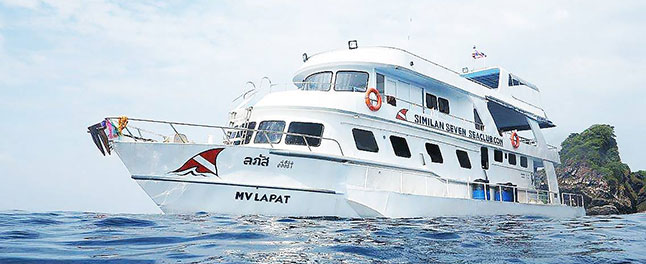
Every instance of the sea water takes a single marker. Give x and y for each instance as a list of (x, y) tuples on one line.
[(210, 238)]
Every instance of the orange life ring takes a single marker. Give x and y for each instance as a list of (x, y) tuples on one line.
[(371, 106), (515, 140)]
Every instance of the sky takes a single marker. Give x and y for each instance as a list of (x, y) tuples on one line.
[(65, 65)]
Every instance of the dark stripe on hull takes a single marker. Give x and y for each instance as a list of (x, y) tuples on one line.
[(148, 178)]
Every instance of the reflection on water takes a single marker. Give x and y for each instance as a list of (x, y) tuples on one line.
[(203, 237)]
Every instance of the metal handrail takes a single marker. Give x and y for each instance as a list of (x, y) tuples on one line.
[(525, 140), (572, 198), (227, 130), (535, 193), (454, 181)]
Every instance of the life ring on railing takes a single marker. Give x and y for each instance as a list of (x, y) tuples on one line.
[(515, 140), (369, 101)]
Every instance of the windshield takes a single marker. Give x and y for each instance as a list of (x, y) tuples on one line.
[(351, 81), (318, 82)]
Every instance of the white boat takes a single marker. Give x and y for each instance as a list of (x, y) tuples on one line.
[(361, 132)]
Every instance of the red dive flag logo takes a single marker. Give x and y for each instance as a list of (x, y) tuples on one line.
[(201, 164), (401, 115)]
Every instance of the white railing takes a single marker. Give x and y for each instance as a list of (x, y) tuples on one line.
[(232, 135), (572, 199), (451, 188)]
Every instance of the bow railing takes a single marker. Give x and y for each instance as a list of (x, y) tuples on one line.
[(232, 135)]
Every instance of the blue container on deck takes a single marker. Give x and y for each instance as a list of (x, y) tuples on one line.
[(481, 191), (507, 194)]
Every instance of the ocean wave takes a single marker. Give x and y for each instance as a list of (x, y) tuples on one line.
[(202, 237)]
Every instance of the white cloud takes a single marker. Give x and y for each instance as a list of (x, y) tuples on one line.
[(31, 4)]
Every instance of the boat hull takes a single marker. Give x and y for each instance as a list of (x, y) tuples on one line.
[(189, 197), (299, 184)]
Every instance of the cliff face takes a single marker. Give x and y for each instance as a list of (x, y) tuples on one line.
[(591, 166)]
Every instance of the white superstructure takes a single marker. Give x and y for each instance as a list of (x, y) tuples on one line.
[(362, 132)]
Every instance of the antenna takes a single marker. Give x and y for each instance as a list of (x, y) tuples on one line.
[(410, 26)]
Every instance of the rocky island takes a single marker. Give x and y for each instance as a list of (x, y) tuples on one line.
[(591, 166)]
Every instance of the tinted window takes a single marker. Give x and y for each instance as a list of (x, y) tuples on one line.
[(351, 81), (234, 135), (380, 83), (319, 81), (477, 120), (400, 146), (312, 129), (277, 126), (249, 134), (365, 140), (433, 150), (443, 105), (431, 101), (523, 161), (490, 80), (497, 155), (512, 159), (463, 158)]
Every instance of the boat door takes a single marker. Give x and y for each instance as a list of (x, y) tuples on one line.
[(484, 164)]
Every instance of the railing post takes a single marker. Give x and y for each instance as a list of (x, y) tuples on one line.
[(401, 181), (513, 194), (226, 135), (365, 180), (569, 195), (268, 140), (306, 143)]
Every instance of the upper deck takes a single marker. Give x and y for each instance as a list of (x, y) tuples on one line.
[(418, 96), (509, 101)]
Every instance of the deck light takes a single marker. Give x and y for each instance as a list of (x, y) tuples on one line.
[(305, 57), (352, 44)]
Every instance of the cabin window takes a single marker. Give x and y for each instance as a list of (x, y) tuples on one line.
[(497, 155), (477, 120), (512, 159), (249, 133), (352, 81), (433, 150), (234, 135), (514, 82), (443, 105), (400, 146), (381, 83), (318, 82), (463, 158), (431, 101), (484, 158), (312, 129), (365, 140), (523, 161), (274, 138)]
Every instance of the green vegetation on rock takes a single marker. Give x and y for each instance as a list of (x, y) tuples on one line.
[(590, 165)]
